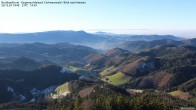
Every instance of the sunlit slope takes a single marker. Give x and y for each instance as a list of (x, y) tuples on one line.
[(117, 79)]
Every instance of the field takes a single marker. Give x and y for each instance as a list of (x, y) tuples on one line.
[(117, 79), (61, 91), (180, 94), (107, 71)]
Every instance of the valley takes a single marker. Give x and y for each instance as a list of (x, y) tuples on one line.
[(136, 73)]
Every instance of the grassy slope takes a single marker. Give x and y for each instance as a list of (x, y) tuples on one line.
[(61, 90), (75, 69), (64, 87), (180, 94), (117, 79), (107, 71)]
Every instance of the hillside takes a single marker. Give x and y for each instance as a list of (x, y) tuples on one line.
[(23, 63), (60, 53), (111, 57), (142, 44), (157, 78), (163, 68), (94, 94), (18, 85)]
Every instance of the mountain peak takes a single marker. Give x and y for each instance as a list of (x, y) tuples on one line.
[(116, 51)]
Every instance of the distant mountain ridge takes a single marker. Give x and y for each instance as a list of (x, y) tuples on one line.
[(96, 40), (141, 45)]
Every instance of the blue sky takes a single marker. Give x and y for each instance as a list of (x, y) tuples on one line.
[(176, 17)]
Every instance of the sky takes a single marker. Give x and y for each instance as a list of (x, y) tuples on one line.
[(176, 17)]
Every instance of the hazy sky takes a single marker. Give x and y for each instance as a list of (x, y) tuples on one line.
[(177, 17)]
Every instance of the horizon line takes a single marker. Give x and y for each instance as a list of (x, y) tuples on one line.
[(176, 33)]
